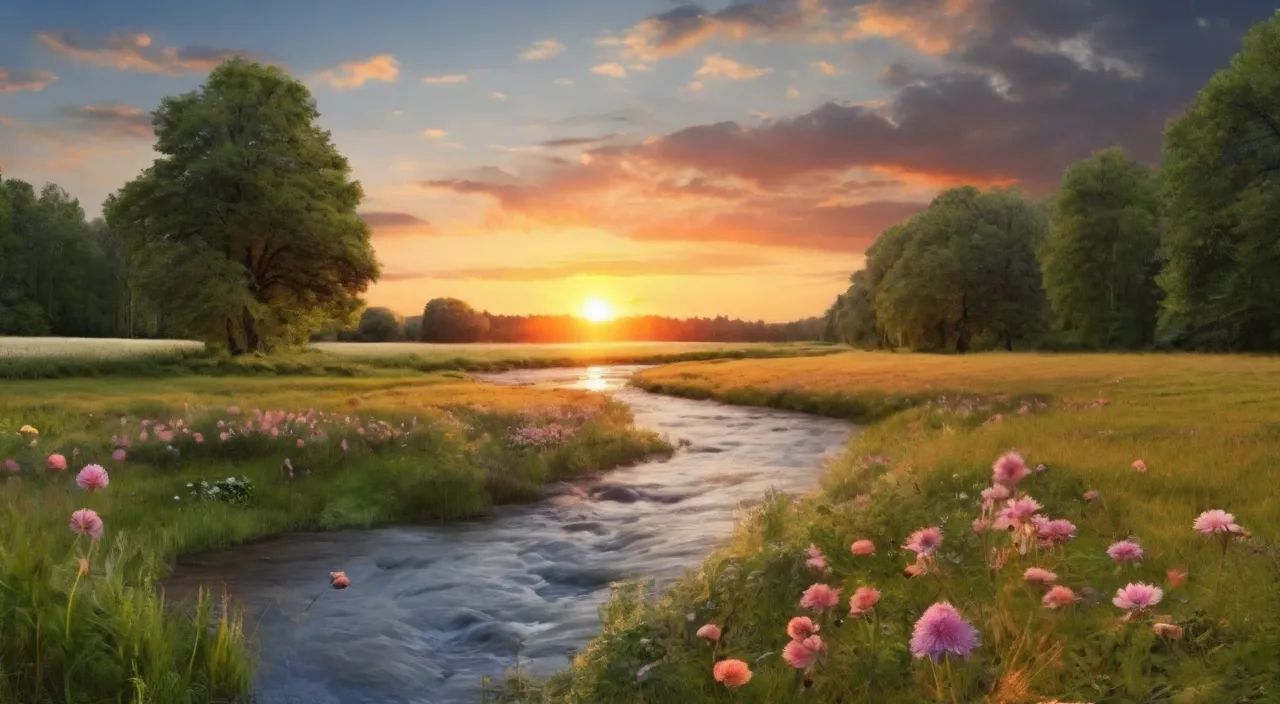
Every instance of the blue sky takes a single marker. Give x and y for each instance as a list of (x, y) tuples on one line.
[(734, 144)]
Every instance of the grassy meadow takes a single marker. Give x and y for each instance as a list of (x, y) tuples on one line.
[(197, 463), (1159, 438), (54, 358)]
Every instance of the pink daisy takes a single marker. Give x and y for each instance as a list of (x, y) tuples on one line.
[(86, 521), (93, 478), (56, 462), (943, 630), (802, 654), (1009, 469), (118, 454), (1216, 521), (819, 597), (1126, 551), (924, 541), (1137, 596)]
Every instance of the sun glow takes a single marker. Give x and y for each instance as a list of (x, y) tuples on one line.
[(597, 310)]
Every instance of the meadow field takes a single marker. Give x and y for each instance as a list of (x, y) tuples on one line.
[(107, 480), (1082, 581)]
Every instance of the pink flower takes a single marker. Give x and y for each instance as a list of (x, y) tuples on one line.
[(1009, 469), (1039, 575), (1176, 576), (863, 600), (710, 631), (1126, 551), (1058, 597), (981, 525), (164, 436), (233, 410), (1016, 513), (339, 580), (92, 478), (56, 462), (992, 494), (733, 673), (300, 443), (1139, 466), (1091, 495), (1137, 596), (801, 627), (817, 564), (1056, 531), (119, 454), (221, 424), (198, 437), (943, 630), (1216, 521), (924, 541), (86, 522), (863, 548), (143, 437), (343, 445), (11, 465), (802, 654), (819, 597), (223, 436)]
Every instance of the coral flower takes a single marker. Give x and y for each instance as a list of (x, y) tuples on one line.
[(1009, 469), (1216, 521), (118, 454), (1058, 597), (1177, 577), (863, 600), (801, 627), (1137, 596), (1037, 575), (56, 462), (12, 465), (1126, 551), (943, 630), (924, 541), (83, 567), (863, 548), (819, 597), (1139, 466), (733, 673), (93, 478), (86, 522), (802, 654), (1091, 495), (339, 580), (1167, 630), (710, 631)]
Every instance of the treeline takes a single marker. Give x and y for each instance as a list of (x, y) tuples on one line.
[(1121, 256), (64, 275), (450, 320)]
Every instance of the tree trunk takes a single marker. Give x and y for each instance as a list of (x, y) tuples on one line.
[(233, 342), (1008, 341), (252, 343)]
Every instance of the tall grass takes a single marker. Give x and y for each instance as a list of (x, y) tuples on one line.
[(1205, 428), (360, 453)]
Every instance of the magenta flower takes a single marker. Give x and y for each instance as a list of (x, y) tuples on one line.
[(924, 541), (1009, 469), (1137, 596), (863, 600), (1126, 551), (802, 654), (943, 630), (86, 522), (118, 454), (93, 478), (1016, 513), (1216, 521), (801, 627), (1056, 531), (56, 462), (819, 597), (12, 465)]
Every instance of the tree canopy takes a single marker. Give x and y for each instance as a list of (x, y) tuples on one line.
[(247, 222), (379, 324), (452, 320)]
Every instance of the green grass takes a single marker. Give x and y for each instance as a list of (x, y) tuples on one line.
[(108, 636), (21, 359), (1207, 427)]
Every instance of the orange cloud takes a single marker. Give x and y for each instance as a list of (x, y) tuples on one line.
[(613, 70), (540, 51), (136, 52), (354, 74), (700, 264), (19, 81), (446, 79), (434, 133), (936, 29), (825, 68), (720, 66), (9, 121)]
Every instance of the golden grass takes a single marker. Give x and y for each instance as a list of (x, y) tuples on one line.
[(492, 351), (90, 348)]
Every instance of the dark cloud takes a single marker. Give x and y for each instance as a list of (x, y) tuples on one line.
[(898, 74), (19, 81), (137, 52), (389, 223), (110, 121), (577, 141), (688, 25)]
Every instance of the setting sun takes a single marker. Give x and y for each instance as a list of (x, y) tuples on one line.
[(597, 310)]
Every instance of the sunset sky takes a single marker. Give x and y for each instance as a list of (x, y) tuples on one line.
[(670, 158)]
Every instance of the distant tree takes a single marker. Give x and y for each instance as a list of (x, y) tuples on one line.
[(1221, 233), (412, 328), (452, 320), (380, 325), (248, 218), (966, 275), (1100, 258)]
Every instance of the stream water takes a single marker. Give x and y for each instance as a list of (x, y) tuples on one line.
[(432, 609)]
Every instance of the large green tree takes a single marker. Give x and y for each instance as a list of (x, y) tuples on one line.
[(452, 320), (1221, 185), (1101, 257), (247, 222)]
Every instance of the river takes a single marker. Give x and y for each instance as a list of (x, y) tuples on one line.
[(432, 609)]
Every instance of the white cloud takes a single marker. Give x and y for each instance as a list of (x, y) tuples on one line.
[(446, 79), (720, 66), (542, 50), (613, 70)]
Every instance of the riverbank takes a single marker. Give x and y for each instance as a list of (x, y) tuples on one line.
[(198, 463), (1120, 447), (54, 358)]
